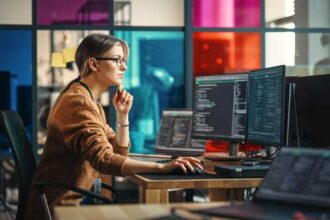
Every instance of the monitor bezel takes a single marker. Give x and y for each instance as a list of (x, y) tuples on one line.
[(216, 137), (258, 141)]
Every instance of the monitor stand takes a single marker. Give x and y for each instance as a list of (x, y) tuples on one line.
[(232, 154), (233, 149)]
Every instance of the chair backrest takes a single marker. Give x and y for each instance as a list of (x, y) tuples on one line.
[(25, 162)]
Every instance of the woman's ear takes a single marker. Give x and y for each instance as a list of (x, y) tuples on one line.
[(92, 63)]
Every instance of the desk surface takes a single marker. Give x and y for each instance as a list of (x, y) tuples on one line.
[(136, 211), (156, 191), (195, 183)]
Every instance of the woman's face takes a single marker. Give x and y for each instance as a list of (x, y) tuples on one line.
[(111, 71)]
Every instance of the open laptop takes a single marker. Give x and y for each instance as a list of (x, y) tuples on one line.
[(298, 183), (174, 135)]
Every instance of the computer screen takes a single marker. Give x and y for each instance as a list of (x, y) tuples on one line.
[(265, 108), (312, 99), (299, 175), (219, 110), (174, 135)]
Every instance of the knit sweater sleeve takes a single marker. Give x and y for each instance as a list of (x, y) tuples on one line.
[(87, 135)]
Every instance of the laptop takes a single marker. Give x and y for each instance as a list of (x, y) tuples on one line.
[(297, 184), (174, 135)]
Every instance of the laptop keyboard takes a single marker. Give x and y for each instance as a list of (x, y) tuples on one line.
[(257, 211)]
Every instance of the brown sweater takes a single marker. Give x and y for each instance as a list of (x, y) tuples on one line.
[(79, 146)]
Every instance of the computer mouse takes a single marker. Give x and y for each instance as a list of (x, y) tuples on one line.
[(198, 170), (179, 171)]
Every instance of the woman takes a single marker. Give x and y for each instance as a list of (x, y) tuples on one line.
[(80, 145)]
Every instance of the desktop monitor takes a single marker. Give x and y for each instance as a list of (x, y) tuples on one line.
[(220, 107), (312, 103), (265, 108)]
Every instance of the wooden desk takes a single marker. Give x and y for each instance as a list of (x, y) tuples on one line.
[(156, 191), (138, 211)]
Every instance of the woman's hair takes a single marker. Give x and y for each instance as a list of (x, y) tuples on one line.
[(95, 45)]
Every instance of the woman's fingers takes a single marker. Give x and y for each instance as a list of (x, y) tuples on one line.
[(187, 164), (124, 97), (198, 165), (190, 163), (181, 166)]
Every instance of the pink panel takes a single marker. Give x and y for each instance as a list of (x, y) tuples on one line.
[(226, 13)]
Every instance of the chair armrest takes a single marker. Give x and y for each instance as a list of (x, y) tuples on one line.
[(112, 190), (41, 185)]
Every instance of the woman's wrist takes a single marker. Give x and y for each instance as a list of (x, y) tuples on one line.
[(122, 119), (159, 167), (122, 125)]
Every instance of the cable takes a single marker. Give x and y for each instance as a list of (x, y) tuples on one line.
[(273, 155)]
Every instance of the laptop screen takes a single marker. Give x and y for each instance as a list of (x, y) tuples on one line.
[(298, 175), (174, 135)]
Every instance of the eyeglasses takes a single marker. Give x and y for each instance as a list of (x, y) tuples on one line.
[(119, 61)]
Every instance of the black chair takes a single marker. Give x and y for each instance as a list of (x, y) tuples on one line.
[(25, 162)]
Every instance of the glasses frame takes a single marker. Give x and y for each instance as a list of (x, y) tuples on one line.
[(119, 61)]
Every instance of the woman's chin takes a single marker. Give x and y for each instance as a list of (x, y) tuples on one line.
[(117, 83)]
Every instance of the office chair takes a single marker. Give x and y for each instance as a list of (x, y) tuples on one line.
[(25, 162)]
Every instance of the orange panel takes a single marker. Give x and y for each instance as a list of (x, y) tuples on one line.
[(225, 52)]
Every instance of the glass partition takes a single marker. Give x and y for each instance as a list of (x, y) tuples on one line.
[(225, 52), (16, 76), (16, 12), (226, 13), (297, 13), (149, 12), (304, 54), (73, 12), (155, 77)]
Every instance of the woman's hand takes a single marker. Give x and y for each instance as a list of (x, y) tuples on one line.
[(122, 101), (185, 163)]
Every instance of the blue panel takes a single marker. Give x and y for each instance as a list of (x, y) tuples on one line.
[(16, 60), (16, 54), (155, 77)]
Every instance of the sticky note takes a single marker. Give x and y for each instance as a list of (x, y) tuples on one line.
[(58, 60), (69, 54)]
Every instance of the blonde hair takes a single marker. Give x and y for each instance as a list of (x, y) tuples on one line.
[(95, 45)]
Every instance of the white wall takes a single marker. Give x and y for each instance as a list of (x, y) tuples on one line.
[(157, 12), (15, 11)]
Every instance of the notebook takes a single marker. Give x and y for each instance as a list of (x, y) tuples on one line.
[(174, 135), (298, 182)]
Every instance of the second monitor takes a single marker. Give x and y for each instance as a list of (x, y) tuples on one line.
[(265, 109)]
